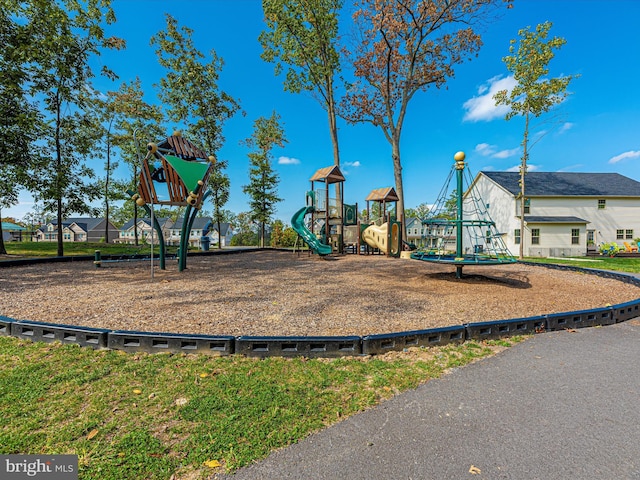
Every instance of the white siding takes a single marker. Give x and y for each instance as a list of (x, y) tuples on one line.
[(555, 239)]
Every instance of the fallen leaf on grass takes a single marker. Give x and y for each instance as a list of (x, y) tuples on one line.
[(204, 375), (92, 434), (474, 470), (137, 391), (212, 463)]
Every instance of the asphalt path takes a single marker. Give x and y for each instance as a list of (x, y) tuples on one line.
[(561, 405)]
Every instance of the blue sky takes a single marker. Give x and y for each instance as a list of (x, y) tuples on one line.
[(599, 130)]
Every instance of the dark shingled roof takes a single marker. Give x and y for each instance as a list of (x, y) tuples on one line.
[(550, 219), (551, 184)]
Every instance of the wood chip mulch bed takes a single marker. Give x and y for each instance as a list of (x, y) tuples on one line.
[(286, 294)]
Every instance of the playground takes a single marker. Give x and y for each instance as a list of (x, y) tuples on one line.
[(285, 293)]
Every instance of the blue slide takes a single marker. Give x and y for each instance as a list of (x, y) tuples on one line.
[(297, 223)]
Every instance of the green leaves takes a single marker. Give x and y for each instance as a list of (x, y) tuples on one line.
[(534, 94), (263, 180), (190, 87)]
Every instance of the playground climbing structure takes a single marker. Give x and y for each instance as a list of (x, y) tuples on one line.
[(384, 233), (174, 172), (461, 234), (327, 210)]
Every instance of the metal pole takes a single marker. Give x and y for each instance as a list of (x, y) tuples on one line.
[(152, 225), (459, 158)]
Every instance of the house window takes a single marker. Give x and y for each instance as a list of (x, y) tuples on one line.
[(516, 236), (619, 234), (628, 234), (575, 236), (527, 205), (602, 204), (535, 236), (488, 237)]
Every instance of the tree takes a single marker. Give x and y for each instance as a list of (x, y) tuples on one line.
[(219, 185), (106, 110), (66, 37), (245, 228), (191, 92), (403, 47), (263, 180), (136, 124), (20, 120), (534, 94), (301, 39), (421, 211)]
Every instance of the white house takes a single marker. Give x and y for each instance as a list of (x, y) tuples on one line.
[(144, 228), (202, 227), (415, 230), (77, 230), (565, 213)]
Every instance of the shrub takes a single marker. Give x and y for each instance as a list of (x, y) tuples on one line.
[(609, 249)]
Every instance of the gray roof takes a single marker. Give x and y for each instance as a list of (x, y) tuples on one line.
[(147, 220), (199, 223), (87, 223), (204, 223), (562, 184), (550, 219)]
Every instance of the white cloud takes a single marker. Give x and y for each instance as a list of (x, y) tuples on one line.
[(530, 168), (567, 126), (625, 155), (507, 153), (483, 106), (492, 151), (288, 161), (352, 164)]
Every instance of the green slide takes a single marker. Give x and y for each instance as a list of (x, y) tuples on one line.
[(297, 223)]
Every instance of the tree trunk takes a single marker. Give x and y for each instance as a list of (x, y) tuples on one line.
[(397, 173), (106, 192), (523, 171), (333, 130), (59, 189), (3, 249)]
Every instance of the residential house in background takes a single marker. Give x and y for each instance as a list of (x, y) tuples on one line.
[(127, 233), (77, 230), (565, 213), (226, 232), (202, 227)]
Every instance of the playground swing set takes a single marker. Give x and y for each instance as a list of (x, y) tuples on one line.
[(470, 238), (174, 172)]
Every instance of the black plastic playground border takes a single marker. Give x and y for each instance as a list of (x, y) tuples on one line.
[(317, 346)]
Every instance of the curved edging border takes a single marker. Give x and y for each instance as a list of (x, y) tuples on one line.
[(326, 346)]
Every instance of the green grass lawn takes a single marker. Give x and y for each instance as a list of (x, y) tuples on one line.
[(156, 416), (50, 249), (147, 416), (620, 264)]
